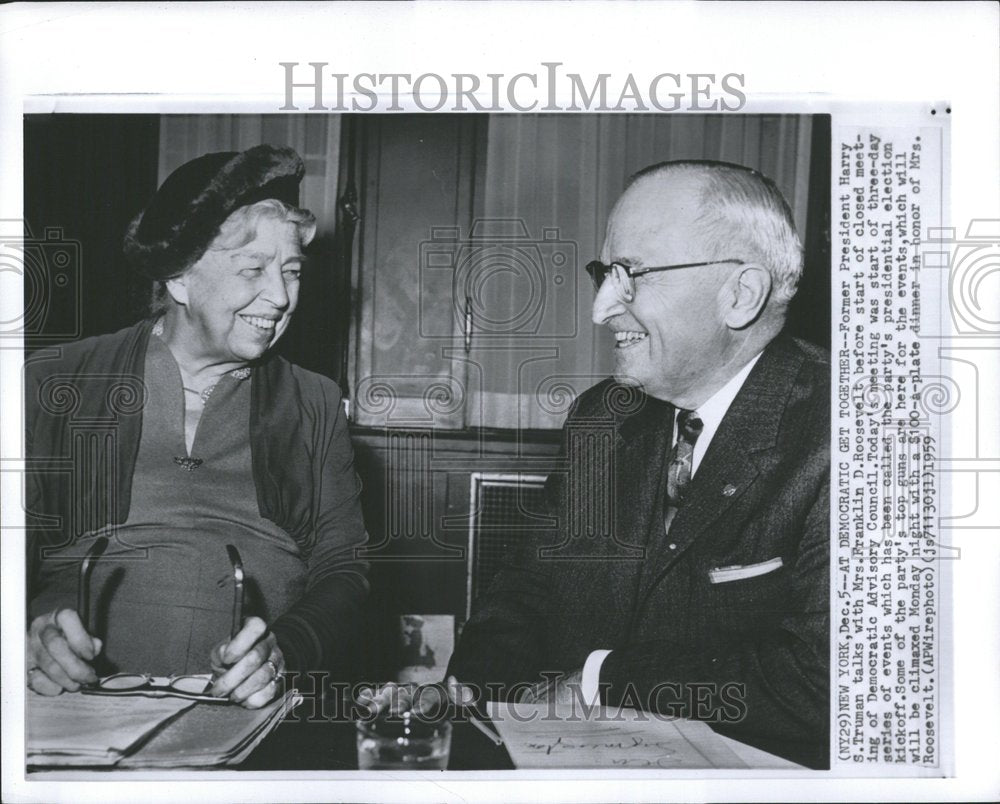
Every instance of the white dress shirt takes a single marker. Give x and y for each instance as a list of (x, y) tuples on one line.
[(711, 412)]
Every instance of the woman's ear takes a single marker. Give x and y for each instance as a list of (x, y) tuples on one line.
[(177, 288), (747, 295)]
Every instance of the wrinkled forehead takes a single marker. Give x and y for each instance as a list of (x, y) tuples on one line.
[(270, 232), (653, 213)]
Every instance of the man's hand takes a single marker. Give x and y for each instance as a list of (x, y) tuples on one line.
[(564, 690), (248, 667), (59, 652), (395, 699)]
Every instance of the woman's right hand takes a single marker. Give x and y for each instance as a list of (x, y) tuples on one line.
[(59, 652)]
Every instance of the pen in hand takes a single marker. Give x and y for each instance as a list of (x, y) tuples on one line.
[(481, 725), (476, 717)]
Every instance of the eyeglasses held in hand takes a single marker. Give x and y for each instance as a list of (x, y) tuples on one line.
[(237, 563), (83, 581), (192, 686), (624, 275)]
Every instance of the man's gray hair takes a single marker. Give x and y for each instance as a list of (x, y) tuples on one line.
[(743, 215)]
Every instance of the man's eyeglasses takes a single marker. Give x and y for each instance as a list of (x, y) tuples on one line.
[(624, 275)]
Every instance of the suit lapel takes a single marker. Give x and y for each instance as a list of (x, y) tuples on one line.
[(642, 446), (636, 476), (733, 460)]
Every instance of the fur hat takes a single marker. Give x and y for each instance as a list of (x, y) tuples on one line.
[(184, 216)]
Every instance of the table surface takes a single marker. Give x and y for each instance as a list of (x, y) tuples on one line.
[(331, 746), (303, 743)]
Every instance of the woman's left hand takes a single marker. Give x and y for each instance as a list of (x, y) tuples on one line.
[(248, 667)]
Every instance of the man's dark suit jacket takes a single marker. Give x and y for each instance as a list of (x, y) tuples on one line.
[(747, 653)]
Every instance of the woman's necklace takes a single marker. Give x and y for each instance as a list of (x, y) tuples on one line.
[(195, 400)]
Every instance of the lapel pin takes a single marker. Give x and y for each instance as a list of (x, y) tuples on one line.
[(728, 490)]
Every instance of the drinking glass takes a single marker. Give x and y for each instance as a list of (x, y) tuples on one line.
[(403, 742)]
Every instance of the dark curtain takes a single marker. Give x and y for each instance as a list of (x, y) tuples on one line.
[(85, 177)]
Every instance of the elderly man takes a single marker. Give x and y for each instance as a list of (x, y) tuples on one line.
[(708, 598)]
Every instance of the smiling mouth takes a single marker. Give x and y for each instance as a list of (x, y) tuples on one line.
[(625, 339), (259, 323)]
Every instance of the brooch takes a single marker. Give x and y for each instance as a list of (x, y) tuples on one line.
[(188, 464)]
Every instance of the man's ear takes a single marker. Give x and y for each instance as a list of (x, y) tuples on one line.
[(746, 295), (177, 288)]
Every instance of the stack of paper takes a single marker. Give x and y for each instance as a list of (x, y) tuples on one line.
[(138, 731), (210, 734), (567, 736), (578, 736), (75, 729)]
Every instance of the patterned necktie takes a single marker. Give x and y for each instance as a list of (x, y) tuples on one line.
[(689, 427)]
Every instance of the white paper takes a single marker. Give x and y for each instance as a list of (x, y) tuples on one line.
[(212, 735), (608, 738), (81, 729), (901, 51)]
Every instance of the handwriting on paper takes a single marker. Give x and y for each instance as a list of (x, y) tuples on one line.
[(635, 745), (545, 739)]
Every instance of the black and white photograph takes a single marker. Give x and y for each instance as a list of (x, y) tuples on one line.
[(509, 423), (527, 338)]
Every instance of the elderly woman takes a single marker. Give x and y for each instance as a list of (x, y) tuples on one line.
[(210, 441)]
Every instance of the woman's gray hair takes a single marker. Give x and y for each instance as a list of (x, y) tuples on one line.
[(239, 229)]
